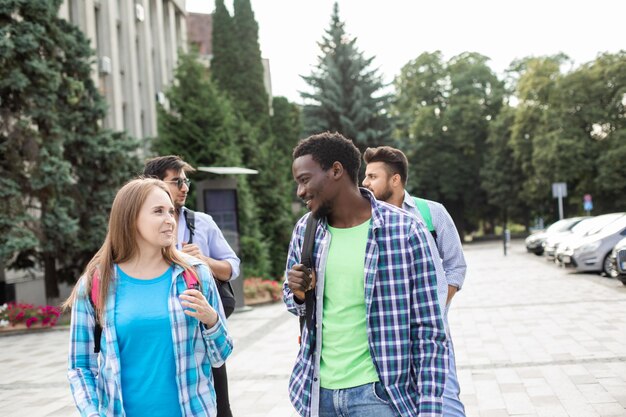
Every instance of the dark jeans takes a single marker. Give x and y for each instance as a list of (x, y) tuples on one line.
[(220, 380)]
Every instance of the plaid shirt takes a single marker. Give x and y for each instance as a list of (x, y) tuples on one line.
[(95, 378), (405, 327)]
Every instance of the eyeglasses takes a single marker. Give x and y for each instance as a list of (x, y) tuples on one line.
[(180, 181)]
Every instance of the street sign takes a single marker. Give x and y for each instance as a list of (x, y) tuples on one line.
[(587, 203), (559, 189)]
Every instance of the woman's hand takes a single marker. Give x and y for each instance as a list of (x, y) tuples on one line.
[(202, 310)]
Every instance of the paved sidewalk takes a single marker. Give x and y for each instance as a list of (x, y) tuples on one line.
[(531, 340)]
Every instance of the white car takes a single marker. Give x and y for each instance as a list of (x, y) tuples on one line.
[(593, 252), (535, 242)]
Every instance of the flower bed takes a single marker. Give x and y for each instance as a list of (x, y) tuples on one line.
[(27, 315), (259, 290)]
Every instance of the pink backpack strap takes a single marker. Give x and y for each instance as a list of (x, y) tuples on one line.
[(95, 288), (191, 279)]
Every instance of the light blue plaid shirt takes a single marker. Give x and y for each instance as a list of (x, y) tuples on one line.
[(95, 378), (448, 241), (404, 319)]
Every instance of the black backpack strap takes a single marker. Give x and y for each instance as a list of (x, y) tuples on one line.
[(307, 260), (190, 219), (97, 335), (97, 330)]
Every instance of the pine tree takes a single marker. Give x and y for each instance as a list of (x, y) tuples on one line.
[(245, 85), (59, 168), (225, 61), (347, 96), (250, 94), (201, 127)]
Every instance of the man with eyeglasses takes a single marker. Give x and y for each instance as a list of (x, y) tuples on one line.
[(209, 244)]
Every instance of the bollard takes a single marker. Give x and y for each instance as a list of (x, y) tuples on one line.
[(506, 239)]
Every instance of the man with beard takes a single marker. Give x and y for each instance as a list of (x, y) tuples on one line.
[(209, 245), (386, 175), (376, 343)]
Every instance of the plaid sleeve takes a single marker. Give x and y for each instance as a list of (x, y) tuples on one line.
[(219, 344), (429, 347), (83, 362), (293, 258)]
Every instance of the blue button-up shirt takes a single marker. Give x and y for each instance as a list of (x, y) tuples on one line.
[(405, 327), (209, 239), (95, 379), (448, 241)]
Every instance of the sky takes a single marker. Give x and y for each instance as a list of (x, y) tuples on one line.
[(397, 31)]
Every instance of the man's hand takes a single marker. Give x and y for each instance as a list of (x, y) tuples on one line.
[(192, 249), (300, 280), (451, 291)]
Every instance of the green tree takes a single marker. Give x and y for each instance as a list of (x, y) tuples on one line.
[(346, 94), (501, 177), (202, 127), (59, 168), (251, 94), (260, 148), (225, 62), (537, 79), (581, 131), (444, 111)]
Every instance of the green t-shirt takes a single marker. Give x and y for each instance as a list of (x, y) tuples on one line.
[(345, 360)]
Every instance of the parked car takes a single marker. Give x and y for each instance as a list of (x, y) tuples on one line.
[(587, 226), (535, 242), (592, 253), (551, 243), (618, 259)]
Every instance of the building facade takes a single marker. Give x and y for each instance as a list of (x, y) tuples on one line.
[(137, 44)]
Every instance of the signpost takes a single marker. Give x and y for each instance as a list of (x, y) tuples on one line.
[(559, 190), (587, 203)]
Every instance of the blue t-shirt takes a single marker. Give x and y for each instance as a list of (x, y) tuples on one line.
[(144, 336)]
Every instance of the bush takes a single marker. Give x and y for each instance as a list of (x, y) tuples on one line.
[(256, 287), (16, 313)]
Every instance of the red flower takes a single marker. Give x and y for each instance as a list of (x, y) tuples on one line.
[(30, 321)]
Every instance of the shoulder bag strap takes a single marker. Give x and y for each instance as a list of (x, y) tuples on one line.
[(190, 219)]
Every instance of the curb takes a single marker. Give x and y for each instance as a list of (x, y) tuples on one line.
[(18, 332)]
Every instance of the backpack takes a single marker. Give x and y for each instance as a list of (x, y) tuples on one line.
[(306, 259), (225, 289), (190, 279), (422, 206)]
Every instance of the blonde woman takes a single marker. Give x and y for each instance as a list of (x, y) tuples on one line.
[(159, 338)]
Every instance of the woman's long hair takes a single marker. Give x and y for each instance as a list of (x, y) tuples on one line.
[(120, 243)]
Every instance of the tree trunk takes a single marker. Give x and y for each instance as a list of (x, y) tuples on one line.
[(50, 276)]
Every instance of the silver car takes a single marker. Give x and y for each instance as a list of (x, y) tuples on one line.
[(535, 242), (618, 259), (592, 253), (580, 229), (558, 244)]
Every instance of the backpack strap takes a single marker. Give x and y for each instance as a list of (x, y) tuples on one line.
[(306, 259), (94, 297), (424, 209), (190, 219), (191, 279)]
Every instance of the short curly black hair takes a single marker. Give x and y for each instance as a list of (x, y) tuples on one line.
[(327, 148)]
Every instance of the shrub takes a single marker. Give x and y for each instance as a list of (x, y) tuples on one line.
[(16, 313), (257, 287)]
